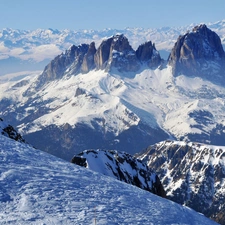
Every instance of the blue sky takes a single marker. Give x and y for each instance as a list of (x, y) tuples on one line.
[(100, 14)]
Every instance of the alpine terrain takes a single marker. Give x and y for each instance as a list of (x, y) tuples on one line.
[(27, 51), (121, 166), (115, 97), (192, 174), (38, 188)]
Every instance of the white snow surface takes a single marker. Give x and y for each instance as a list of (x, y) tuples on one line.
[(37, 188), (120, 101)]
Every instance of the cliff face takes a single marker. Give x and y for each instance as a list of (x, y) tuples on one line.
[(70, 61), (116, 52), (147, 53), (198, 53), (122, 56), (102, 54), (88, 59)]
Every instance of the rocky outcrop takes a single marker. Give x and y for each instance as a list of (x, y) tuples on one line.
[(113, 54), (122, 57), (69, 62), (8, 131), (122, 166), (147, 53), (88, 60), (102, 54), (116, 53), (198, 53), (192, 173)]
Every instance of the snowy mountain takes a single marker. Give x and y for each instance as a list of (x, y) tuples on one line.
[(37, 188), (192, 174), (26, 50), (113, 97), (121, 166)]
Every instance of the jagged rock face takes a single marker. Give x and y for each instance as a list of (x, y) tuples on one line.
[(113, 53), (122, 56), (102, 54), (147, 53), (71, 60), (8, 131), (198, 53), (193, 174), (88, 60), (121, 166), (116, 52)]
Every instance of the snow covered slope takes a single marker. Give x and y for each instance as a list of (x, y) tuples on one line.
[(192, 174), (37, 188), (123, 167), (101, 110)]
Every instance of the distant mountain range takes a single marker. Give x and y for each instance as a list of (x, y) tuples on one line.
[(28, 50)]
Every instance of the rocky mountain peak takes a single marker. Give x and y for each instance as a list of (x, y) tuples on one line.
[(198, 53), (122, 166), (147, 53), (122, 56), (116, 52), (120, 43)]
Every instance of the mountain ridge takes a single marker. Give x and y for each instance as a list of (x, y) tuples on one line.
[(192, 173), (46, 44)]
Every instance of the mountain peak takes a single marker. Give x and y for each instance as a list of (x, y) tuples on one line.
[(198, 53)]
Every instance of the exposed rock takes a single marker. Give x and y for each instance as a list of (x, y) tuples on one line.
[(88, 60), (69, 62), (192, 173), (147, 53), (102, 54), (116, 52), (79, 91), (8, 131), (122, 56), (198, 53), (121, 166)]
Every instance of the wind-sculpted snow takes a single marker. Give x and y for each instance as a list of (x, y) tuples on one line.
[(37, 188), (193, 174)]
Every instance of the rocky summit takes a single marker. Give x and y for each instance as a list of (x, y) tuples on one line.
[(193, 174), (123, 167), (199, 53), (113, 54)]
